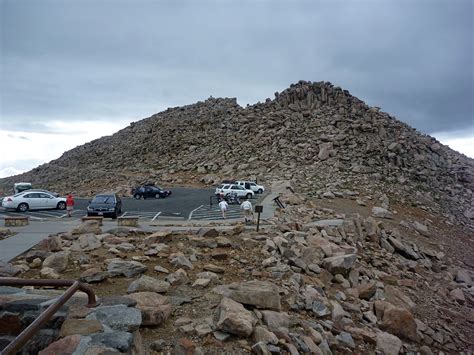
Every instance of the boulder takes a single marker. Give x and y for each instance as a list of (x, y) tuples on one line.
[(181, 261), (8, 270), (49, 273), (118, 317), (341, 264), (276, 320), (80, 326), (261, 294), (94, 275), (147, 283), (396, 320), (86, 242), (154, 308), (87, 227), (381, 212), (388, 344), (233, 318), (57, 261), (65, 345), (117, 267)]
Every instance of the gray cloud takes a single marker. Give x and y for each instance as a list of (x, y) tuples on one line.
[(94, 60)]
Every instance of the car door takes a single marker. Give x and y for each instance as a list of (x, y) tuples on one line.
[(47, 201), (149, 192), (32, 199)]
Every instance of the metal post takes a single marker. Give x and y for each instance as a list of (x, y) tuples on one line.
[(258, 209)]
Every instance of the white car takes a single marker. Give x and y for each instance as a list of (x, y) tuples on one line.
[(240, 191), (250, 185), (33, 200)]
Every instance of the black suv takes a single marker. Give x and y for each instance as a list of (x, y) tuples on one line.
[(107, 205), (150, 191)]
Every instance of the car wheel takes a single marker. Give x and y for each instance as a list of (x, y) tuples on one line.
[(249, 195), (137, 197), (23, 207), (114, 215), (260, 191), (157, 196), (61, 206)]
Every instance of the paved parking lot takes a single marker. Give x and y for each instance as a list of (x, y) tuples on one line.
[(184, 203)]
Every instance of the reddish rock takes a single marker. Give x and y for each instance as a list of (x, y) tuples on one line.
[(80, 326), (367, 290), (184, 347), (10, 323), (154, 307), (400, 322), (65, 345)]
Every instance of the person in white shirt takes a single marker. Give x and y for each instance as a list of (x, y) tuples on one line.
[(248, 211), (223, 206)]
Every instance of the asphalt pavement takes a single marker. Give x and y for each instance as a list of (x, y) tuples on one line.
[(184, 204)]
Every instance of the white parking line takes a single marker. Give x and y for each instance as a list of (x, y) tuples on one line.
[(191, 213), (156, 216), (123, 215)]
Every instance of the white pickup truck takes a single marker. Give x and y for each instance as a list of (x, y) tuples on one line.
[(250, 185)]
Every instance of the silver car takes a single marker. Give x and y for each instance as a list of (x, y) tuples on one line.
[(33, 200)]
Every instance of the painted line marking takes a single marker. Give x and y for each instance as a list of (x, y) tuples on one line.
[(191, 213), (123, 215), (156, 216)]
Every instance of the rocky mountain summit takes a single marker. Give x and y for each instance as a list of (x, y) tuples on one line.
[(317, 135), (313, 280)]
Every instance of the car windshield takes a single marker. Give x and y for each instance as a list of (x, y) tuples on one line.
[(103, 199), (220, 186)]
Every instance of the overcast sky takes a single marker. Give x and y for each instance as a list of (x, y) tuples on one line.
[(72, 71)]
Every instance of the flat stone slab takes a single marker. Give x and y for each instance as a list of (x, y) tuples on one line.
[(325, 223)]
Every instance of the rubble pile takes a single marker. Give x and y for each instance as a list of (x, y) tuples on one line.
[(312, 280), (313, 133)]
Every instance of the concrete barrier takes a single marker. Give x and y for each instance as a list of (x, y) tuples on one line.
[(128, 221), (16, 221)]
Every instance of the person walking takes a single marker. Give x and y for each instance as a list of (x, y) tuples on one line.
[(248, 211), (223, 206), (69, 205)]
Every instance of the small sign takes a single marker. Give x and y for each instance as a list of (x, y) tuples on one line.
[(259, 209)]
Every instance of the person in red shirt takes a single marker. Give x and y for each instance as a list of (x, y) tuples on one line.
[(69, 205)]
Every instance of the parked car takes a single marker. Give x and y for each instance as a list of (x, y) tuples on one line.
[(250, 185), (240, 191), (106, 204), (34, 200), (150, 191)]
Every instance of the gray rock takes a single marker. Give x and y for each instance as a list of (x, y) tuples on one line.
[(341, 264), (320, 309), (261, 294), (276, 320), (159, 268), (94, 275), (147, 283), (345, 339), (388, 344), (8, 270), (462, 276), (182, 262), (120, 317), (381, 212), (121, 341), (119, 267), (86, 242)]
